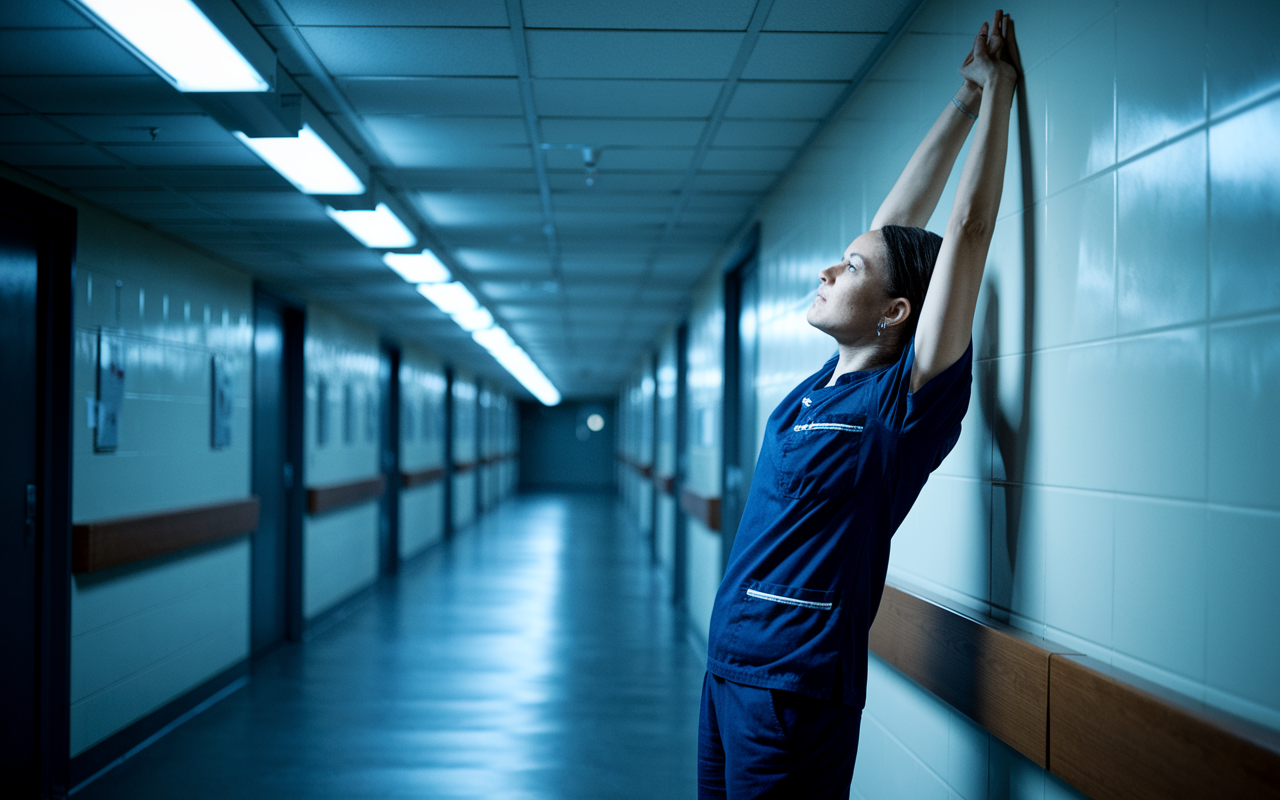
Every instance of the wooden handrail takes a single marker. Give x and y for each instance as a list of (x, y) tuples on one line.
[(321, 499), (421, 477), (1115, 735), (667, 483), (464, 466), (123, 540), (1110, 734), (706, 509)]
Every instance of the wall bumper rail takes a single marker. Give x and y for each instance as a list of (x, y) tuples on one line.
[(1110, 734), (421, 477), (332, 497), (705, 509), (107, 543)]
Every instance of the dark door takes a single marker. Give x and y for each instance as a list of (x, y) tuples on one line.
[(37, 245), (19, 582), (739, 436), (276, 344), (389, 432), (679, 567)]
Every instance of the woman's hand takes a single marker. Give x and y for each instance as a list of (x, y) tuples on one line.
[(994, 56)]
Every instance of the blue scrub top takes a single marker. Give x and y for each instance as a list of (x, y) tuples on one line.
[(839, 470)]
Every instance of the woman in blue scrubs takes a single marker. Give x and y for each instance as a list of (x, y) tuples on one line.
[(845, 455)]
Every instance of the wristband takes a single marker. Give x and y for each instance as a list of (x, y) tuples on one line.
[(963, 110)]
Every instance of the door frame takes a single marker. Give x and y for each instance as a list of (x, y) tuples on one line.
[(55, 226), (389, 459), (737, 441)]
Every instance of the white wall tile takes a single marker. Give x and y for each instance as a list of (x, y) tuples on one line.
[(1163, 276), (1160, 550), (1076, 285), (1160, 63), (1241, 52), (1018, 552), (1244, 432), (1079, 541), (339, 556), (1081, 113), (1244, 221), (1243, 594)]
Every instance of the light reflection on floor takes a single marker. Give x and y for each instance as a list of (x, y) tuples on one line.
[(534, 657)]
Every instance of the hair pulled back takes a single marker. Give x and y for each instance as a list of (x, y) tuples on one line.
[(912, 252)]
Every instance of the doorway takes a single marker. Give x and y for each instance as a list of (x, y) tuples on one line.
[(37, 254), (276, 575), (739, 436), (389, 434)]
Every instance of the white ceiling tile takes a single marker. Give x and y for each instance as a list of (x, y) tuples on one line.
[(430, 179), (55, 155), (589, 198), (28, 128), (763, 133), (41, 15), (187, 155), (566, 180), (810, 56), (80, 51), (140, 94), (729, 15), (473, 13), (754, 159), (465, 208), (865, 15), (461, 97), (735, 181), (533, 257), (625, 98), (413, 51), (636, 133), (147, 128), (412, 155), (444, 132), (784, 99), (631, 54), (624, 158)]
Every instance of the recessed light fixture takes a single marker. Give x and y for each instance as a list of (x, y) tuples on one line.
[(421, 267), (522, 368), (451, 298), (474, 320), (377, 228), (493, 339), (306, 161), (179, 42)]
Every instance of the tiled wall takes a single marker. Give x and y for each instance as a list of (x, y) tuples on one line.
[(635, 440), (465, 447), (143, 634), (342, 428), (664, 457), (1115, 485), (703, 434), (422, 386)]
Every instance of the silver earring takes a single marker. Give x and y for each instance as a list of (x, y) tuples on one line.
[(880, 326)]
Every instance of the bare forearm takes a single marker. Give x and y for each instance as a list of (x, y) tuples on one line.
[(914, 197), (982, 179)]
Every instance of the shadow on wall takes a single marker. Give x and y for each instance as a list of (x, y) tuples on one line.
[(1010, 427), (568, 447)]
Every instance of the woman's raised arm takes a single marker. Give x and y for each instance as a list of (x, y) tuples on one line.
[(946, 320), (914, 197)]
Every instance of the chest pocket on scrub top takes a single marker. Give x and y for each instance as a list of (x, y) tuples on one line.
[(819, 456)]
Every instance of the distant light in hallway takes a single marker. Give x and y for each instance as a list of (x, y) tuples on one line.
[(377, 228), (179, 42), (451, 298), (595, 422), (306, 161), (474, 320), (421, 267)]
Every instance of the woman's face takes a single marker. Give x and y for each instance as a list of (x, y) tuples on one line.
[(851, 297)]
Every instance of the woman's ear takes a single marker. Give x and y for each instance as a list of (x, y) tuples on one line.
[(898, 311)]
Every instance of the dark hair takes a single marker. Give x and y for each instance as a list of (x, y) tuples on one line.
[(912, 253)]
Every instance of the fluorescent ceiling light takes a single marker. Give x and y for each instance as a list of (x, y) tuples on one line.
[(306, 161), (377, 228), (180, 43), (451, 298), (421, 267), (493, 339), (522, 368), (474, 320)]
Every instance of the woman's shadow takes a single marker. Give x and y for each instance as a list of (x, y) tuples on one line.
[(1010, 427)]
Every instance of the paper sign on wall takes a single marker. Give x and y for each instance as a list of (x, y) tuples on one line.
[(223, 394), (106, 437)]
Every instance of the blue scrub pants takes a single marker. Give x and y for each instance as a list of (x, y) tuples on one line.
[(768, 743)]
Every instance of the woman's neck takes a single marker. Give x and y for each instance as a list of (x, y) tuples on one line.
[(863, 357)]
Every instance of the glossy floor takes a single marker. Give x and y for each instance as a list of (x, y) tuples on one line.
[(534, 656)]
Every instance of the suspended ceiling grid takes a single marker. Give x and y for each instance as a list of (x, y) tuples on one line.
[(474, 114)]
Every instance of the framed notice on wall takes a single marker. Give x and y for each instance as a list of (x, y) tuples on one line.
[(106, 437), (221, 402)]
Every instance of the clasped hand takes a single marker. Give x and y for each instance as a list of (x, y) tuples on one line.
[(994, 58)]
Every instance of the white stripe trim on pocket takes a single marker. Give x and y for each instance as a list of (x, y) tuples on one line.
[(790, 601), (828, 426)]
